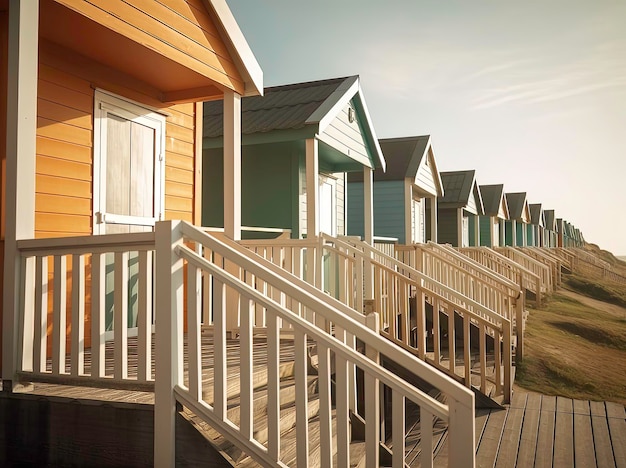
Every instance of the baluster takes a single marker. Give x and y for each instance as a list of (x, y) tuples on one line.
[(194, 332), (41, 315), (426, 430), (98, 296), (325, 410), (246, 375), (78, 315), (220, 357), (342, 415), (59, 315), (144, 316), (398, 431), (120, 319), (273, 386)]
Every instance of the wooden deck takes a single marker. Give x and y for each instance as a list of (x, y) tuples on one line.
[(534, 431)]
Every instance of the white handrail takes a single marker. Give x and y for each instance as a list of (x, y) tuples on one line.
[(458, 412)]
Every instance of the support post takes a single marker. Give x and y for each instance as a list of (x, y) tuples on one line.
[(459, 228), (168, 340), (462, 432), (372, 396), (232, 165), (23, 39), (433, 219), (368, 224), (312, 189)]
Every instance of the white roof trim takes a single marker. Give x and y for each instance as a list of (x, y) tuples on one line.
[(238, 47), (432, 166)]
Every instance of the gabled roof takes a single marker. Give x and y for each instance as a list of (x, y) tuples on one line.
[(301, 110), (549, 219), (458, 187), (518, 206), (238, 47), (493, 197), (536, 214), (405, 157)]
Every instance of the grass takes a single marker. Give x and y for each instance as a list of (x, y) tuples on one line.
[(574, 350), (613, 293)]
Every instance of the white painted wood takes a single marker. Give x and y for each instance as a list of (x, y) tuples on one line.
[(312, 188), (59, 295), (325, 410), (41, 315), (368, 216), (433, 219), (426, 430), (144, 317), (194, 330), (232, 165), (462, 432), (168, 340), (301, 403), (372, 399), (78, 316), (25, 337), (341, 412), (246, 376), (219, 344), (98, 274), (120, 316), (19, 207), (273, 385), (397, 430)]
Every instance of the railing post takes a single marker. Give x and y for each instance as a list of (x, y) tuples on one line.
[(461, 432), (168, 339), (372, 396), (519, 327)]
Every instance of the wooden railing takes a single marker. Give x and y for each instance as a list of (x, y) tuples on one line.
[(537, 267), (235, 276), (78, 293), (364, 278), (506, 267), (552, 261)]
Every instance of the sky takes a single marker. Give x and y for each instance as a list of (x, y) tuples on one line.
[(530, 94)]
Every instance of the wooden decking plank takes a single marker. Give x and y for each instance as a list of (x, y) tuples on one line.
[(617, 430), (601, 436), (490, 441), (564, 433), (507, 454), (530, 431), (545, 433), (480, 421), (581, 407), (584, 452)]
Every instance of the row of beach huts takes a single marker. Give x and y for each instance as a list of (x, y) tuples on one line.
[(185, 252)]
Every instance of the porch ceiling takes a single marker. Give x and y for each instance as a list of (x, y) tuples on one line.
[(174, 81)]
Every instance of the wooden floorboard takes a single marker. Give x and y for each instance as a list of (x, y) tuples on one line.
[(564, 433), (601, 436), (530, 430)]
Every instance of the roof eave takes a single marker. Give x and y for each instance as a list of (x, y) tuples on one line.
[(246, 62)]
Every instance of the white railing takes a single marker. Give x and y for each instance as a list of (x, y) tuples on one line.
[(343, 267), (537, 267), (462, 274), (553, 262), (396, 285), (235, 276), (79, 293), (506, 267)]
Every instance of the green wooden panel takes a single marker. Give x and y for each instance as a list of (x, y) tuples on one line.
[(485, 231), (508, 233), (447, 226), (472, 230), (519, 234), (354, 216)]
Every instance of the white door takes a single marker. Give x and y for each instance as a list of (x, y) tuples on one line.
[(328, 206), (129, 147), (465, 227), (418, 221)]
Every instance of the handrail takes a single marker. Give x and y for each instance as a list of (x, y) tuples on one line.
[(458, 411), (412, 273)]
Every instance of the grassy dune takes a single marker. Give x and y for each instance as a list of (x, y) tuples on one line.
[(576, 346)]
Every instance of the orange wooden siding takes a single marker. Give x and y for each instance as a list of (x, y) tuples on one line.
[(64, 185), (177, 29)]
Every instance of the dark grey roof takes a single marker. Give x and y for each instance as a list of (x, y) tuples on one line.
[(457, 186), (535, 213), (492, 195), (549, 219), (515, 201), (281, 107), (403, 157)]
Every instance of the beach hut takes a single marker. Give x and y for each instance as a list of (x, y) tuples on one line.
[(536, 229), (550, 228), (100, 123), (459, 209), (405, 195), (519, 217), (298, 143), (496, 212)]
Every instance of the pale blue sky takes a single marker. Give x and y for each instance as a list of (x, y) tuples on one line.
[(530, 94)]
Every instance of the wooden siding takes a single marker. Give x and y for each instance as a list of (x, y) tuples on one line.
[(346, 137), (64, 170), (447, 226), (425, 177), (502, 211), (181, 31), (389, 210), (341, 204)]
